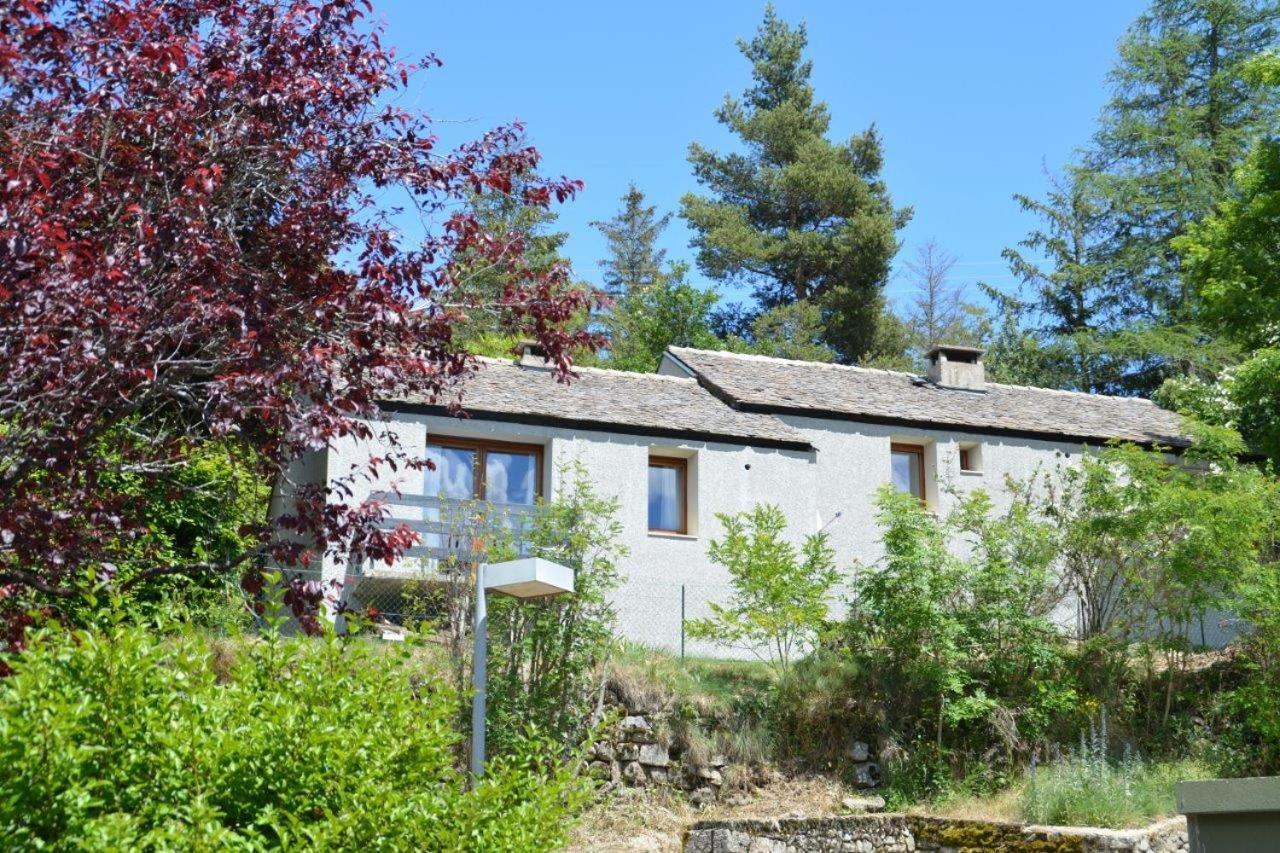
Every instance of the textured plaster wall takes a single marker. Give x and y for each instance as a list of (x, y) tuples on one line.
[(834, 486), (853, 463)]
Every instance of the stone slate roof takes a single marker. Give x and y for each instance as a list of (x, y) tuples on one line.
[(612, 400), (760, 384)]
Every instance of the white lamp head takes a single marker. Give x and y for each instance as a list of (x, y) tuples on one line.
[(530, 577)]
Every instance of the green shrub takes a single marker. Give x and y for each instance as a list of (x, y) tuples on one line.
[(950, 644), (546, 656), (123, 740), (780, 592)]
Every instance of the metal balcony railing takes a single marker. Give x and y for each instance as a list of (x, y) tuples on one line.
[(452, 532)]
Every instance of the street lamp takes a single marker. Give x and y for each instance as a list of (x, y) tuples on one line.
[(530, 577)]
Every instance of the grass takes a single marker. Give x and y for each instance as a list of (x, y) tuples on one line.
[(1078, 792), (721, 687), (1093, 793), (713, 706)]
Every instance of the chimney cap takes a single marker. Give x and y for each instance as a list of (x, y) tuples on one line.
[(531, 353), (956, 352)]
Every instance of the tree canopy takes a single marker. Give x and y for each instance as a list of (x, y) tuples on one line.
[(195, 246), (795, 216)]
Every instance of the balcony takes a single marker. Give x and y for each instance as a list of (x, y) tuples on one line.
[(454, 533)]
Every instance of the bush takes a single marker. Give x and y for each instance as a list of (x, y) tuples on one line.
[(951, 646), (122, 740), (780, 592), (546, 657)]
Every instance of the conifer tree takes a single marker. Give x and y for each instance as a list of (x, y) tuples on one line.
[(1181, 118), (634, 260), (1071, 296), (795, 216), (1107, 292)]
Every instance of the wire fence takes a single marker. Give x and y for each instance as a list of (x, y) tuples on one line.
[(657, 614)]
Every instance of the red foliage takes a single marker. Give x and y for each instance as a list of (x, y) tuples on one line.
[(192, 245)]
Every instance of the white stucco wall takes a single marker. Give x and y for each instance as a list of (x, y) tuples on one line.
[(841, 476)]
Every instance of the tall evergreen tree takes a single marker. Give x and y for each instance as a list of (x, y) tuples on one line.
[(1181, 118), (634, 260), (1071, 297), (795, 216)]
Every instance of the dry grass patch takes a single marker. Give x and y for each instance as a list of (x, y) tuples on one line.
[(652, 820)]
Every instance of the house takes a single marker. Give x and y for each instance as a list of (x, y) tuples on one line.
[(717, 432)]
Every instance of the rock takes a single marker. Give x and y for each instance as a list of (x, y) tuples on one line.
[(718, 761), (737, 798), (605, 771), (867, 774), (702, 797), (604, 751), (862, 805), (860, 751), (709, 774), (654, 755), (628, 751), (636, 729), (633, 774), (657, 774)]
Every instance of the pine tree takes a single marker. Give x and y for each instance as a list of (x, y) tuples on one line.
[(634, 260), (795, 216)]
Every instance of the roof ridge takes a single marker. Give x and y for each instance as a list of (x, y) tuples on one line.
[(1093, 394), (859, 369), (611, 371), (751, 356)]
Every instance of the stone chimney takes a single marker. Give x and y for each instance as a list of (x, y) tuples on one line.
[(532, 354), (957, 367)]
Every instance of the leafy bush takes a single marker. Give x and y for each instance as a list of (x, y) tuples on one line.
[(953, 639), (779, 592), (122, 740), (545, 657)]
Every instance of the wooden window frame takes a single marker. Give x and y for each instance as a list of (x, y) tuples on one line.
[(681, 464), (918, 451), (482, 446), (965, 459)]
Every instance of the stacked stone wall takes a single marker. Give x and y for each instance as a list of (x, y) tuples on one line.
[(900, 833)]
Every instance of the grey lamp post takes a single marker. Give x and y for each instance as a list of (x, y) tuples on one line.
[(531, 577)]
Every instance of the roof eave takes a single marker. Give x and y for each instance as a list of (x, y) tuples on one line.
[(595, 425)]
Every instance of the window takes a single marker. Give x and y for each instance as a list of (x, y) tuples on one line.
[(907, 469), (485, 470), (966, 463), (668, 494), (971, 458)]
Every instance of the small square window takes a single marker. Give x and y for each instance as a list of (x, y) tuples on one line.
[(970, 458), (668, 494)]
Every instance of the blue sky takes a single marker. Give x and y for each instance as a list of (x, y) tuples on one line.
[(973, 100)]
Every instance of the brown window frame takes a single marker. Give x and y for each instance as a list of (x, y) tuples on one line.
[(918, 450), (965, 459), (681, 464), (481, 447)]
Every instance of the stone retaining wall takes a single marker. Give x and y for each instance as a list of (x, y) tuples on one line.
[(898, 833)]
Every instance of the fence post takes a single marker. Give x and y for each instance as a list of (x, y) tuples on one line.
[(681, 623)]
